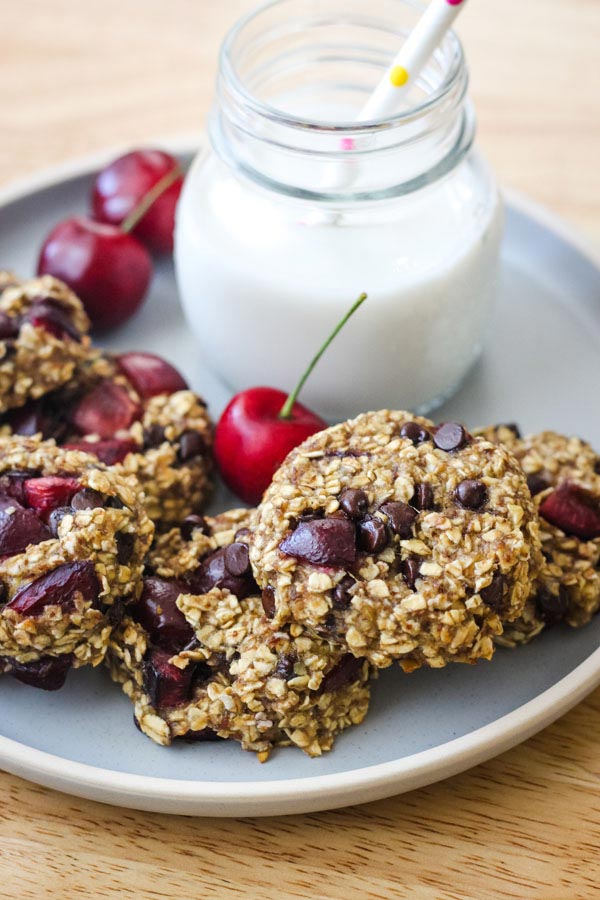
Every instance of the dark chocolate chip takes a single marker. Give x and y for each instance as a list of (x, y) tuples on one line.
[(355, 503), (154, 436), (193, 523), (309, 515), (237, 560), (471, 494), (401, 518), (537, 483), (114, 503), (597, 467), (191, 444), (450, 436), (552, 607), (512, 427), (423, 496), (322, 542), (242, 533), (199, 737), (56, 517), (285, 667), (373, 535), (3, 592), (341, 595), (268, 602), (493, 594), (87, 498), (414, 432), (125, 546), (410, 569)]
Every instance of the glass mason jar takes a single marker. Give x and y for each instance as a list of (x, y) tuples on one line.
[(296, 209)]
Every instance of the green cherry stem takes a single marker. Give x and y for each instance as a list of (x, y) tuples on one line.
[(286, 409), (138, 212)]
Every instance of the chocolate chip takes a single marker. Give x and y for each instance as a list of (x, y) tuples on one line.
[(493, 594), (237, 560), (322, 542), (154, 436), (341, 595), (3, 592), (410, 569), (268, 602), (537, 483), (345, 672), (193, 523), (552, 607), (87, 498), (191, 444), (355, 503), (423, 496), (450, 436), (125, 545), (414, 432), (285, 667), (373, 535), (56, 517), (512, 427), (114, 503), (203, 736), (471, 494), (242, 533), (597, 467), (401, 518)]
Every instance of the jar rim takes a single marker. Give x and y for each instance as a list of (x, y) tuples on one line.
[(349, 127)]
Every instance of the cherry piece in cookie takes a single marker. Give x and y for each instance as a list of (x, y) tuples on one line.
[(107, 268), (106, 409), (122, 186), (60, 586), (150, 375), (574, 510), (157, 612)]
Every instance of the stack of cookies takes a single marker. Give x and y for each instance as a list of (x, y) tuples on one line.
[(385, 540)]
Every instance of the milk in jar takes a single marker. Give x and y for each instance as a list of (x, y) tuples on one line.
[(295, 209)]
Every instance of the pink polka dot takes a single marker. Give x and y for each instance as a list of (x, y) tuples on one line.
[(347, 143), (454, 2)]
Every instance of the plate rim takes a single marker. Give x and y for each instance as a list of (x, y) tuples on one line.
[(318, 791)]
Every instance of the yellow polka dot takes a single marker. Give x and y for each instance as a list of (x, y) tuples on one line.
[(399, 76)]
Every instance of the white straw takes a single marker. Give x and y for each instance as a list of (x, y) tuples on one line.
[(414, 54)]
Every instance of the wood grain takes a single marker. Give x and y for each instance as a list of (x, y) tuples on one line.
[(78, 76)]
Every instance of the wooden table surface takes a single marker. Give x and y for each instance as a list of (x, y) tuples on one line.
[(77, 77)]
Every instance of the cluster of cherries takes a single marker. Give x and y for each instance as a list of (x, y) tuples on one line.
[(105, 258)]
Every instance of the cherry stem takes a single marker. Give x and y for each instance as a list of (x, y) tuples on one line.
[(286, 409), (138, 212)]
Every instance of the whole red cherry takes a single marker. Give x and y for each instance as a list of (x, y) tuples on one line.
[(260, 426), (109, 269), (122, 186), (251, 440)]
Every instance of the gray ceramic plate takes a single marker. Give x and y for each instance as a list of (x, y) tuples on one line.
[(540, 368)]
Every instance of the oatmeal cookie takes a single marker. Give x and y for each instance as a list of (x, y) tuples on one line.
[(199, 659), (563, 474), (43, 337), (164, 439), (73, 538), (399, 540)]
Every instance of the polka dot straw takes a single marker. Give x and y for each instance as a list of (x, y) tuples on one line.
[(413, 56)]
